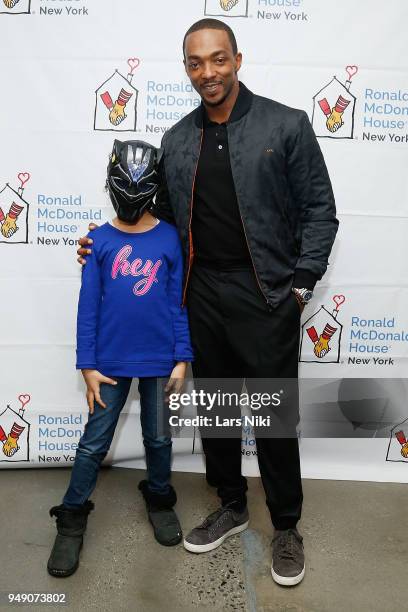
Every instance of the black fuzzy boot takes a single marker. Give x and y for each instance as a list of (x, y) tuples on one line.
[(166, 526), (71, 525)]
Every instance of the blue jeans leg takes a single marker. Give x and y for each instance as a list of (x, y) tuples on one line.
[(154, 417), (95, 442)]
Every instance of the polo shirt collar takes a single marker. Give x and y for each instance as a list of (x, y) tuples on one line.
[(241, 107)]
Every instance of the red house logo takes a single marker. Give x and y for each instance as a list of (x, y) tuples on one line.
[(116, 102), (15, 7), (15, 433), (226, 8), (334, 107), (321, 335), (14, 213), (398, 443)]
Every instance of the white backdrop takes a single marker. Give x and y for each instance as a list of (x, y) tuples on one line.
[(63, 65)]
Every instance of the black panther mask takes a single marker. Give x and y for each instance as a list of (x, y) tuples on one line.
[(132, 178)]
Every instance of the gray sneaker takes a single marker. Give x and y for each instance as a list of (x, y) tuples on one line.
[(215, 529), (288, 559)]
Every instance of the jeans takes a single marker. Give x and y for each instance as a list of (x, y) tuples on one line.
[(100, 428)]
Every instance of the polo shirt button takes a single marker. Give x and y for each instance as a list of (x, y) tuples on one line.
[(220, 146)]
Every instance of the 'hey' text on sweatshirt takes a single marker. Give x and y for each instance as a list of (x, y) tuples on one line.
[(130, 319)]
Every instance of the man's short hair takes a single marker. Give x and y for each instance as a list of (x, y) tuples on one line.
[(212, 24)]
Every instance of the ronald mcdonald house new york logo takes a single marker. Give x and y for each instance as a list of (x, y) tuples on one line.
[(52, 219), (15, 7), (116, 101), (63, 8), (226, 8), (334, 107), (14, 212), (267, 11), (398, 443), (15, 433), (321, 335)]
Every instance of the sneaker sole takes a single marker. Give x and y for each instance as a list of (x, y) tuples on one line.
[(288, 580), (202, 548)]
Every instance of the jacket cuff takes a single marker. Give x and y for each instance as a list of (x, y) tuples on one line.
[(304, 279)]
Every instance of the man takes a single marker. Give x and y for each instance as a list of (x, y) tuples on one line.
[(246, 184)]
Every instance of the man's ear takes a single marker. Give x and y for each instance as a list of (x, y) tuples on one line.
[(238, 61), (185, 65)]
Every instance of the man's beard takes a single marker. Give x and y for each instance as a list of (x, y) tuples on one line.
[(216, 103)]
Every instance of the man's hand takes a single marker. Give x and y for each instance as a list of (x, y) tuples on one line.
[(93, 380), (300, 304), (10, 447), (9, 226), (117, 114), (176, 380), (84, 248), (321, 347), (334, 121)]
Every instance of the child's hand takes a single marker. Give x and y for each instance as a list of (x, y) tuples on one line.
[(176, 380), (93, 379)]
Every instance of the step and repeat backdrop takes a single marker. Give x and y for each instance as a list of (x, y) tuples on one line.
[(64, 65)]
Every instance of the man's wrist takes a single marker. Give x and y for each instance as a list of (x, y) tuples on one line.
[(302, 294), (304, 278)]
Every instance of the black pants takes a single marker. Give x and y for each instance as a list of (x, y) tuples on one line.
[(236, 336)]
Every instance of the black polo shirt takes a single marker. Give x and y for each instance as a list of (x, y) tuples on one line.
[(218, 234)]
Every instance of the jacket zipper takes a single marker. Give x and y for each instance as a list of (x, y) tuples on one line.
[(249, 250), (250, 254), (190, 237)]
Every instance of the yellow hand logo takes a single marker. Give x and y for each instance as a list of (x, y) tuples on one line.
[(9, 227), (10, 447), (117, 114), (334, 121), (227, 5), (321, 347), (404, 450), (11, 3)]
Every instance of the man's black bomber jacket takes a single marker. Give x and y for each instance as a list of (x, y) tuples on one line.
[(283, 190)]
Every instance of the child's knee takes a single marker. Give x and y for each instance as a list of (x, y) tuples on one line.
[(157, 442), (96, 451)]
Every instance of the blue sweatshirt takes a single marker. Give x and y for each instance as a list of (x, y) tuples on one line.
[(130, 319)]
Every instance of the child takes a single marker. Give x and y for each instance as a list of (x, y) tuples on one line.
[(130, 324)]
